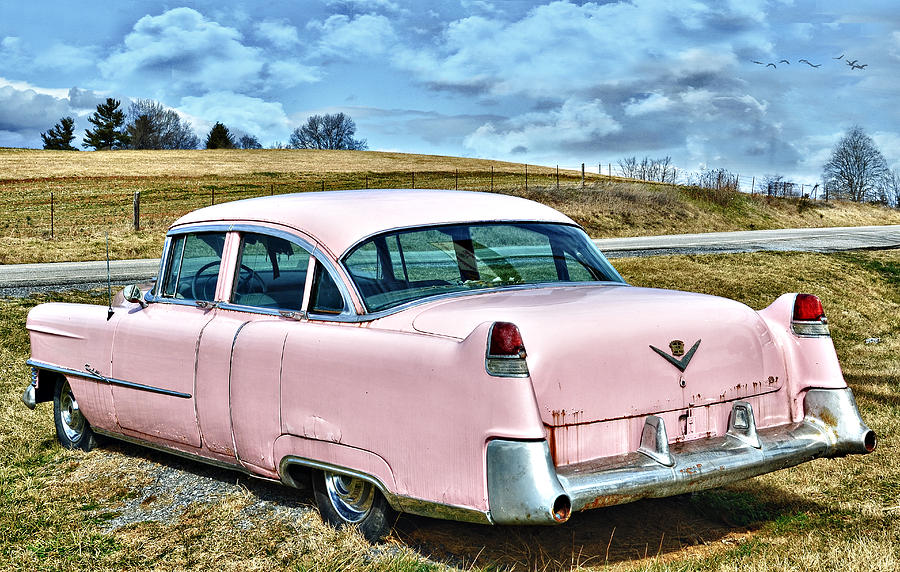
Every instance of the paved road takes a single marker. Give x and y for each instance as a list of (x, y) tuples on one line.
[(22, 279)]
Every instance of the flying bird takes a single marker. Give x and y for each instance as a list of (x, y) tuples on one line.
[(807, 62), (839, 57), (858, 67), (760, 63), (784, 62), (851, 64), (773, 65)]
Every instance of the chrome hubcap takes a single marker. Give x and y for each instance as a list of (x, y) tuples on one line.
[(352, 498), (72, 419)]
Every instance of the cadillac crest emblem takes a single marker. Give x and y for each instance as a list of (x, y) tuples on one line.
[(677, 347)]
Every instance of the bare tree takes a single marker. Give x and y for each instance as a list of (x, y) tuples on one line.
[(248, 142), (153, 126), (893, 188), (648, 169), (329, 131), (857, 169), (719, 179)]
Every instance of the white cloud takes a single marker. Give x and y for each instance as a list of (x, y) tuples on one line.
[(653, 103), (575, 124), (278, 33), (264, 119), (346, 37), (181, 51)]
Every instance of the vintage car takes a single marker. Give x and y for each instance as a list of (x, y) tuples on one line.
[(460, 355)]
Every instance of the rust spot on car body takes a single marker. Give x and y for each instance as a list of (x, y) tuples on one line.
[(611, 500)]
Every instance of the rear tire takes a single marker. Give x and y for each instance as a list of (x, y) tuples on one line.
[(350, 501), (72, 428)]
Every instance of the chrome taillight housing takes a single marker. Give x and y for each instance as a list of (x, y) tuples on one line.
[(506, 354), (808, 320)]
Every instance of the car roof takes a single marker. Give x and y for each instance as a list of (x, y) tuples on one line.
[(340, 219)]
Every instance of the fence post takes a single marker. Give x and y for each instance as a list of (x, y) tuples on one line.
[(414, 179), (272, 190), (457, 178), (323, 185), (582, 175), (212, 201), (526, 176), (51, 214), (492, 178), (367, 181), (136, 203), (752, 184), (557, 177), (609, 170)]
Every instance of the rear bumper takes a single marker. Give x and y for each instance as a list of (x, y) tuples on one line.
[(525, 487)]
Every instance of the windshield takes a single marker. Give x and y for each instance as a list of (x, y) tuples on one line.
[(400, 266)]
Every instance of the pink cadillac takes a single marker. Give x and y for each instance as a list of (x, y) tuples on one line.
[(460, 355)]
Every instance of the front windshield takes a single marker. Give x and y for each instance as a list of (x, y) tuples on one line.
[(400, 266)]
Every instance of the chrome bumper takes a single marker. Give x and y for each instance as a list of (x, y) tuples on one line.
[(525, 487)]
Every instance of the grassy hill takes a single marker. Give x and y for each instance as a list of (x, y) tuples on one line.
[(57, 206)]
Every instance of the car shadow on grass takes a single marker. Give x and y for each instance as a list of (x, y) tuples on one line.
[(625, 533)]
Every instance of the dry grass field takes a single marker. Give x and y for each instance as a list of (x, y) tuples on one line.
[(118, 508), (92, 195)]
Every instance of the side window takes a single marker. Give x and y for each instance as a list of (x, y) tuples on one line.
[(325, 297), (271, 273), (193, 266)]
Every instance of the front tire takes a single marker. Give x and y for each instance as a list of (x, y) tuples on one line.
[(72, 428), (351, 501)]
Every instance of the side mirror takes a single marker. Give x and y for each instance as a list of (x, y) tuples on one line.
[(133, 294)]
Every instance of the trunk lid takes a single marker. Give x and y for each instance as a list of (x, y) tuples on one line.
[(597, 353)]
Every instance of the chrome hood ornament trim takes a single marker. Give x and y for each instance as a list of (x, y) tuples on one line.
[(682, 363)]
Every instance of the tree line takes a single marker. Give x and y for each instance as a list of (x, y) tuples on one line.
[(856, 171), (148, 124)]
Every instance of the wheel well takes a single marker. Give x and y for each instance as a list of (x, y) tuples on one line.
[(46, 385)]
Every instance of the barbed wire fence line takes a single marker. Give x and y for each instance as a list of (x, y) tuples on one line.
[(46, 209)]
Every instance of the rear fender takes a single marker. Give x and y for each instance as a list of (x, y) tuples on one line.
[(810, 362)]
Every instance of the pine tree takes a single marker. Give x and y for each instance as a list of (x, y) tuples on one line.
[(108, 121), (60, 136), (219, 138)]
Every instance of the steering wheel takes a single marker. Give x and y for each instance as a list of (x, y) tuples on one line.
[(243, 280)]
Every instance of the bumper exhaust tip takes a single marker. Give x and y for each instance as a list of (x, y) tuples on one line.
[(562, 509), (870, 441)]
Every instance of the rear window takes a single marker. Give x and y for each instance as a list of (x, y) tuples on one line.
[(401, 266)]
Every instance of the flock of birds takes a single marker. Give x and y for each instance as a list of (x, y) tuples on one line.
[(854, 65)]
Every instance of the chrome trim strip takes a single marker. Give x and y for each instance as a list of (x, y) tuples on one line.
[(96, 376), (399, 503)]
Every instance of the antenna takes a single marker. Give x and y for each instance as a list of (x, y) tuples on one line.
[(109, 313)]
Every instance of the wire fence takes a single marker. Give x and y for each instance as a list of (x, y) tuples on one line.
[(85, 206)]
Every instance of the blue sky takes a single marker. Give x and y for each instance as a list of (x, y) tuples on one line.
[(547, 83)]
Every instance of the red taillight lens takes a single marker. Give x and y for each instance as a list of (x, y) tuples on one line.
[(506, 341), (505, 351), (809, 318), (808, 308)]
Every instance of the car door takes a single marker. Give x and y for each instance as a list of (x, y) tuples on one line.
[(154, 354), (267, 296)]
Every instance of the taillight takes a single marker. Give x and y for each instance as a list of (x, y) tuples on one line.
[(809, 318), (505, 351)]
